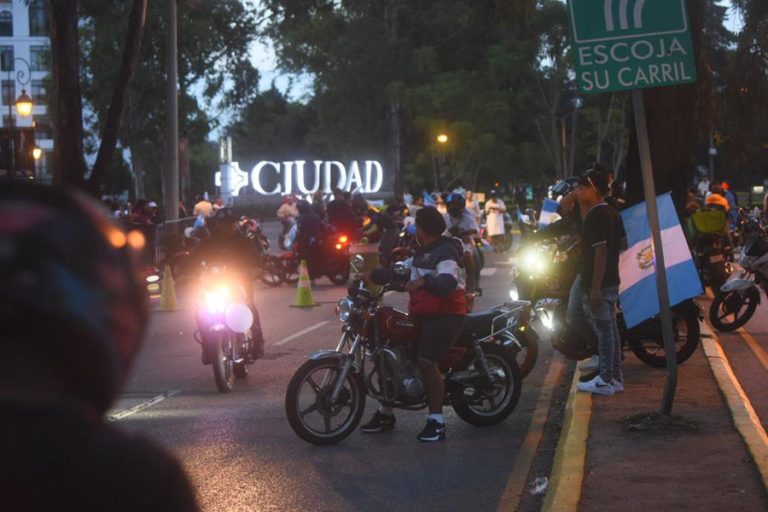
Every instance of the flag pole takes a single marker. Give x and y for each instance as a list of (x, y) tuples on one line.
[(646, 167)]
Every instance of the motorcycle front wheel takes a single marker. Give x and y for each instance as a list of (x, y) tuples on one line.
[(223, 362), (687, 332), (731, 310), (272, 273), (312, 414), (490, 403)]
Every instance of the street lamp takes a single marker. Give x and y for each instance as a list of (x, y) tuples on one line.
[(23, 103), (442, 138), (37, 152)]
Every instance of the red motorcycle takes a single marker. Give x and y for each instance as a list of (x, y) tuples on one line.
[(375, 357)]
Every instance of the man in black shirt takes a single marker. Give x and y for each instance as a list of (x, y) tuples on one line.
[(601, 236)]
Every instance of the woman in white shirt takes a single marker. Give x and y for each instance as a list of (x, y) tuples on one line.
[(494, 212)]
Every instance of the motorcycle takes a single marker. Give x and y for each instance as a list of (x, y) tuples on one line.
[(711, 247), (269, 266), (224, 323), (335, 259), (326, 396), (544, 276), (738, 298)]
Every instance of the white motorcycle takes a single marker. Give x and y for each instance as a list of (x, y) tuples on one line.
[(740, 295)]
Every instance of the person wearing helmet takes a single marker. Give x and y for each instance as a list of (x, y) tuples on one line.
[(461, 224), (73, 316), (226, 245)]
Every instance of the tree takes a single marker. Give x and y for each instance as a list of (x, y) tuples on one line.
[(68, 160), (214, 69)]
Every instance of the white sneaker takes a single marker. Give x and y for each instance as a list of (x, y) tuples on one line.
[(618, 385), (597, 386), (590, 364)]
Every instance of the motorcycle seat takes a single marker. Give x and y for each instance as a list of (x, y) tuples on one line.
[(478, 325)]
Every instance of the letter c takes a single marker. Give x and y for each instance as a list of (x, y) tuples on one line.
[(256, 178)]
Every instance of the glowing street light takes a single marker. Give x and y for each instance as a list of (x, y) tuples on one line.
[(24, 104), (442, 138), (37, 152)]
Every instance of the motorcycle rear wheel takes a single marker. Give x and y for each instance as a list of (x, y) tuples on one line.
[(223, 362), (338, 272), (727, 305), (687, 337), (315, 380), (471, 410)]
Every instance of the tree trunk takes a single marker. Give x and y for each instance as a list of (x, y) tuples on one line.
[(68, 161), (395, 142), (671, 113), (130, 62)]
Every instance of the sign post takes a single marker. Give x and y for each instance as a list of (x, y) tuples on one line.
[(632, 45)]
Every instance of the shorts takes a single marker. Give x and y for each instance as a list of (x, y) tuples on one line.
[(438, 334)]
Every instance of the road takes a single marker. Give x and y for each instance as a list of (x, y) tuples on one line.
[(241, 454)]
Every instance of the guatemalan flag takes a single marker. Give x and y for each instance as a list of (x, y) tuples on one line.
[(637, 292), (548, 213)]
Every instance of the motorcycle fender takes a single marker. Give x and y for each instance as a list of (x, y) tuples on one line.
[(737, 285), (328, 354)]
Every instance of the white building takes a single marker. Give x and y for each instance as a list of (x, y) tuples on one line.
[(25, 64)]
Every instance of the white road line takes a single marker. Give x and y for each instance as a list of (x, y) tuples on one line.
[(488, 272), (119, 415), (301, 333)]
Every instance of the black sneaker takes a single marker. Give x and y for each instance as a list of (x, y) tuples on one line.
[(434, 431), (379, 423), (589, 376)]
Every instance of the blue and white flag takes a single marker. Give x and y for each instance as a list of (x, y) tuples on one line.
[(548, 213), (428, 201), (637, 292)]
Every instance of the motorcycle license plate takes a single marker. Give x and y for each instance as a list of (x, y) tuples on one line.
[(716, 258)]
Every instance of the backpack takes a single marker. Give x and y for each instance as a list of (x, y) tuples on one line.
[(706, 221)]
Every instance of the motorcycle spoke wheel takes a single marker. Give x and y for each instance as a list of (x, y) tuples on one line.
[(223, 364), (732, 310), (272, 274), (651, 351), (310, 410), (489, 403)]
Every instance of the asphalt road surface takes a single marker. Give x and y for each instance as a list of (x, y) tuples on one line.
[(241, 454)]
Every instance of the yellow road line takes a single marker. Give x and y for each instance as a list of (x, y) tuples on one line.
[(568, 470), (510, 499), (744, 417), (761, 355)]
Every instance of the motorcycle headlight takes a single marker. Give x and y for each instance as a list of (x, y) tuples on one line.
[(533, 261), (216, 301), (344, 309)]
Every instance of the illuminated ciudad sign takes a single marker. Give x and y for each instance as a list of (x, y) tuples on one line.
[(299, 177)]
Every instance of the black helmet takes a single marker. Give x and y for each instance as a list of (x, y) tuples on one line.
[(455, 203), (71, 296)]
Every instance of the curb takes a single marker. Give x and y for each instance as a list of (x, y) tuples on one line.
[(568, 469), (744, 416)]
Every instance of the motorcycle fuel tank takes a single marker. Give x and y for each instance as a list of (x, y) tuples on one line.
[(396, 325)]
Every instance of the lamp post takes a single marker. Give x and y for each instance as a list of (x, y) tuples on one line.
[(24, 105)]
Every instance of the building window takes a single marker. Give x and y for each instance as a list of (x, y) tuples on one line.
[(43, 128), (39, 95), (38, 18), (6, 58), (8, 91), (6, 23), (39, 58)]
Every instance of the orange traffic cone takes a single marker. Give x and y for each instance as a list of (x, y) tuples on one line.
[(304, 291)]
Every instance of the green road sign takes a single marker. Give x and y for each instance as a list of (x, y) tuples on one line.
[(631, 44)]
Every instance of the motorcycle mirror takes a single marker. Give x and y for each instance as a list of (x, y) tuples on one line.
[(401, 268)]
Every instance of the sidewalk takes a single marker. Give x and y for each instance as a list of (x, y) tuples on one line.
[(608, 459)]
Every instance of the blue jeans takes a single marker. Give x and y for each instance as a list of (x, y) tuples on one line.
[(576, 314), (603, 320)]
